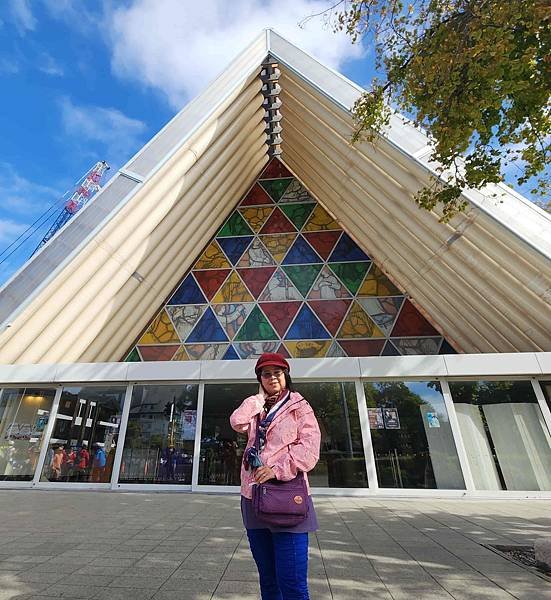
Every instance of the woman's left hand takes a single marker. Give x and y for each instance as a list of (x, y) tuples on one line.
[(263, 474)]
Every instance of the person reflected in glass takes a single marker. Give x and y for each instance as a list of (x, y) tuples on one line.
[(98, 463), (289, 443)]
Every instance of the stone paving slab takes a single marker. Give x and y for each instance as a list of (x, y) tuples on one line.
[(181, 546)]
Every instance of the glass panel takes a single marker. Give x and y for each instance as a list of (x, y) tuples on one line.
[(158, 447), (507, 442), (411, 435), (24, 414), (221, 447), (342, 461), (546, 387), (85, 434)]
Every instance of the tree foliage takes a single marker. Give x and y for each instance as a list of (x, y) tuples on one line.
[(475, 74)]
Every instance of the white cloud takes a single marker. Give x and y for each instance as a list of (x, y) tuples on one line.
[(47, 64), (9, 230), (22, 16), (117, 135), (179, 47), (20, 196)]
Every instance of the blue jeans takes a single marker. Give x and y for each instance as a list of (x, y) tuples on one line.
[(282, 561)]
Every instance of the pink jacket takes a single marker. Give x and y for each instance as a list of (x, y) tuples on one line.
[(292, 439)]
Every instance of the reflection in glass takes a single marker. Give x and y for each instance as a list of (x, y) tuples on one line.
[(159, 441), (507, 442), (411, 435), (546, 386), (85, 433), (221, 447), (24, 414)]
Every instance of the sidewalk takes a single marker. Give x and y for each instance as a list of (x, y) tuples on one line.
[(168, 546)]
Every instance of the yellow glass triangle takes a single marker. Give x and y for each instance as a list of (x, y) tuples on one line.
[(181, 354), (358, 324), (308, 348), (377, 283), (256, 217), (278, 244), (320, 220), (161, 331), (234, 290), (212, 258)]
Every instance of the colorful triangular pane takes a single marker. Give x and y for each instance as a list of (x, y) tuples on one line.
[(234, 247), (335, 351), (181, 354), (208, 329), (279, 288), (154, 353), (256, 279), (362, 347), (212, 258), (390, 350), (275, 187), (256, 328), (206, 351), (297, 213), (277, 223), (233, 290), (160, 331), (377, 283), (303, 276), (280, 314), (256, 216), (255, 349), (256, 196), (210, 281), (301, 253), (347, 250), (306, 326), (283, 351), (232, 316), (323, 242), (188, 293), (133, 356), (320, 220), (330, 312), (231, 354), (383, 310), (351, 274), (358, 324), (411, 323), (235, 225), (328, 287), (256, 255), (185, 317), (421, 345), (278, 245), (447, 348), (295, 192), (275, 170), (308, 348)]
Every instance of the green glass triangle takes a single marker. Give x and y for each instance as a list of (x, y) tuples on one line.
[(351, 274), (235, 225), (303, 276), (256, 328), (276, 187), (298, 213), (133, 357)]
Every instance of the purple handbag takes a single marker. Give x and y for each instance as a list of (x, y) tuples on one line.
[(280, 503)]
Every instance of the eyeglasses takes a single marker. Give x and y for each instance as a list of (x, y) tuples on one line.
[(269, 374)]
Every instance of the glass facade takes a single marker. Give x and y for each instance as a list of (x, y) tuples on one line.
[(507, 442), (411, 435), (282, 275), (85, 435), (160, 435), (24, 414)]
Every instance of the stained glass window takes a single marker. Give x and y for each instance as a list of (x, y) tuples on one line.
[(282, 275)]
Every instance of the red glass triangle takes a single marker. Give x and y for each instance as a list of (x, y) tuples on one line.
[(330, 312), (210, 281), (275, 170), (280, 314), (322, 241), (256, 279), (362, 347), (283, 351), (277, 223), (411, 322), (165, 352), (256, 196)]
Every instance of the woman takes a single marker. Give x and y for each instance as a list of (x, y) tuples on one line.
[(288, 444)]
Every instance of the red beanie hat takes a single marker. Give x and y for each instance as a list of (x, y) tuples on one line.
[(270, 359)]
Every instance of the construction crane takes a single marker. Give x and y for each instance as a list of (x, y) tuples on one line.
[(86, 187)]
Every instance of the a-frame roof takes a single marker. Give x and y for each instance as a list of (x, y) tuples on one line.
[(484, 278)]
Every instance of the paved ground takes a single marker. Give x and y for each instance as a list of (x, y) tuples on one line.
[(114, 546)]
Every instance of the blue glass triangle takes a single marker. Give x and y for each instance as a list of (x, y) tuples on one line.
[(446, 348), (231, 354), (188, 293), (306, 326), (234, 247), (301, 253), (347, 250), (208, 329), (390, 350)]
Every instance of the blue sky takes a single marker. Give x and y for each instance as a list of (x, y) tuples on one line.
[(85, 81)]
